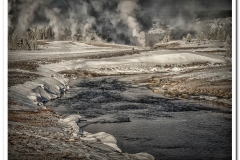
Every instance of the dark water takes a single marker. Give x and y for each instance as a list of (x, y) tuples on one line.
[(186, 135), (165, 128)]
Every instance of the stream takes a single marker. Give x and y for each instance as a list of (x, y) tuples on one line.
[(166, 128)]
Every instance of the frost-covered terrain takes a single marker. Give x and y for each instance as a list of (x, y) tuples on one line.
[(119, 79), (60, 49), (112, 83), (52, 83)]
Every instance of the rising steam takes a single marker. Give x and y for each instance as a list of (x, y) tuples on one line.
[(127, 13), (120, 21), (113, 20)]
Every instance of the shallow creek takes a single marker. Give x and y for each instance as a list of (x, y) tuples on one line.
[(166, 128)]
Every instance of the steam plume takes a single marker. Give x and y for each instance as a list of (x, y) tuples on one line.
[(127, 13), (121, 21)]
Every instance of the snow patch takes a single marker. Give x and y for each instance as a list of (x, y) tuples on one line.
[(145, 62), (33, 93), (105, 138), (70, 124)]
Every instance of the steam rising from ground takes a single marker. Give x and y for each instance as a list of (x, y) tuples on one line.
[(120, 21), (127, 13), (114, 20)]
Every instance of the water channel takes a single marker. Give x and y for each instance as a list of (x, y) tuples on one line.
[(166, 128)]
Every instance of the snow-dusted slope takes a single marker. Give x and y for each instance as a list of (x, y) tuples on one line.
[(50, 87), (145, 62), (60, 49)]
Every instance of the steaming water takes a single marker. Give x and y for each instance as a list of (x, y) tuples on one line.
[(165, 128)]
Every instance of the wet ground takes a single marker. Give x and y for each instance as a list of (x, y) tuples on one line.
[(167, 128)]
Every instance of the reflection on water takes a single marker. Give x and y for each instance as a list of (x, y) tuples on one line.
[(213, 104), (185, 135), (165, 128)]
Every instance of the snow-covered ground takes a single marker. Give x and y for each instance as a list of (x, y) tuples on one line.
[(51, 85), (60, 49), (146, 62)]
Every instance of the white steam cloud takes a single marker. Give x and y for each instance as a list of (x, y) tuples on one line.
[(26, 16), (115, 20), (121, 21), (54, 21), (127, 13)]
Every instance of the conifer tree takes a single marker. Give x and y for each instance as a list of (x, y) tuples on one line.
[(228, 46), (188, 38)]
